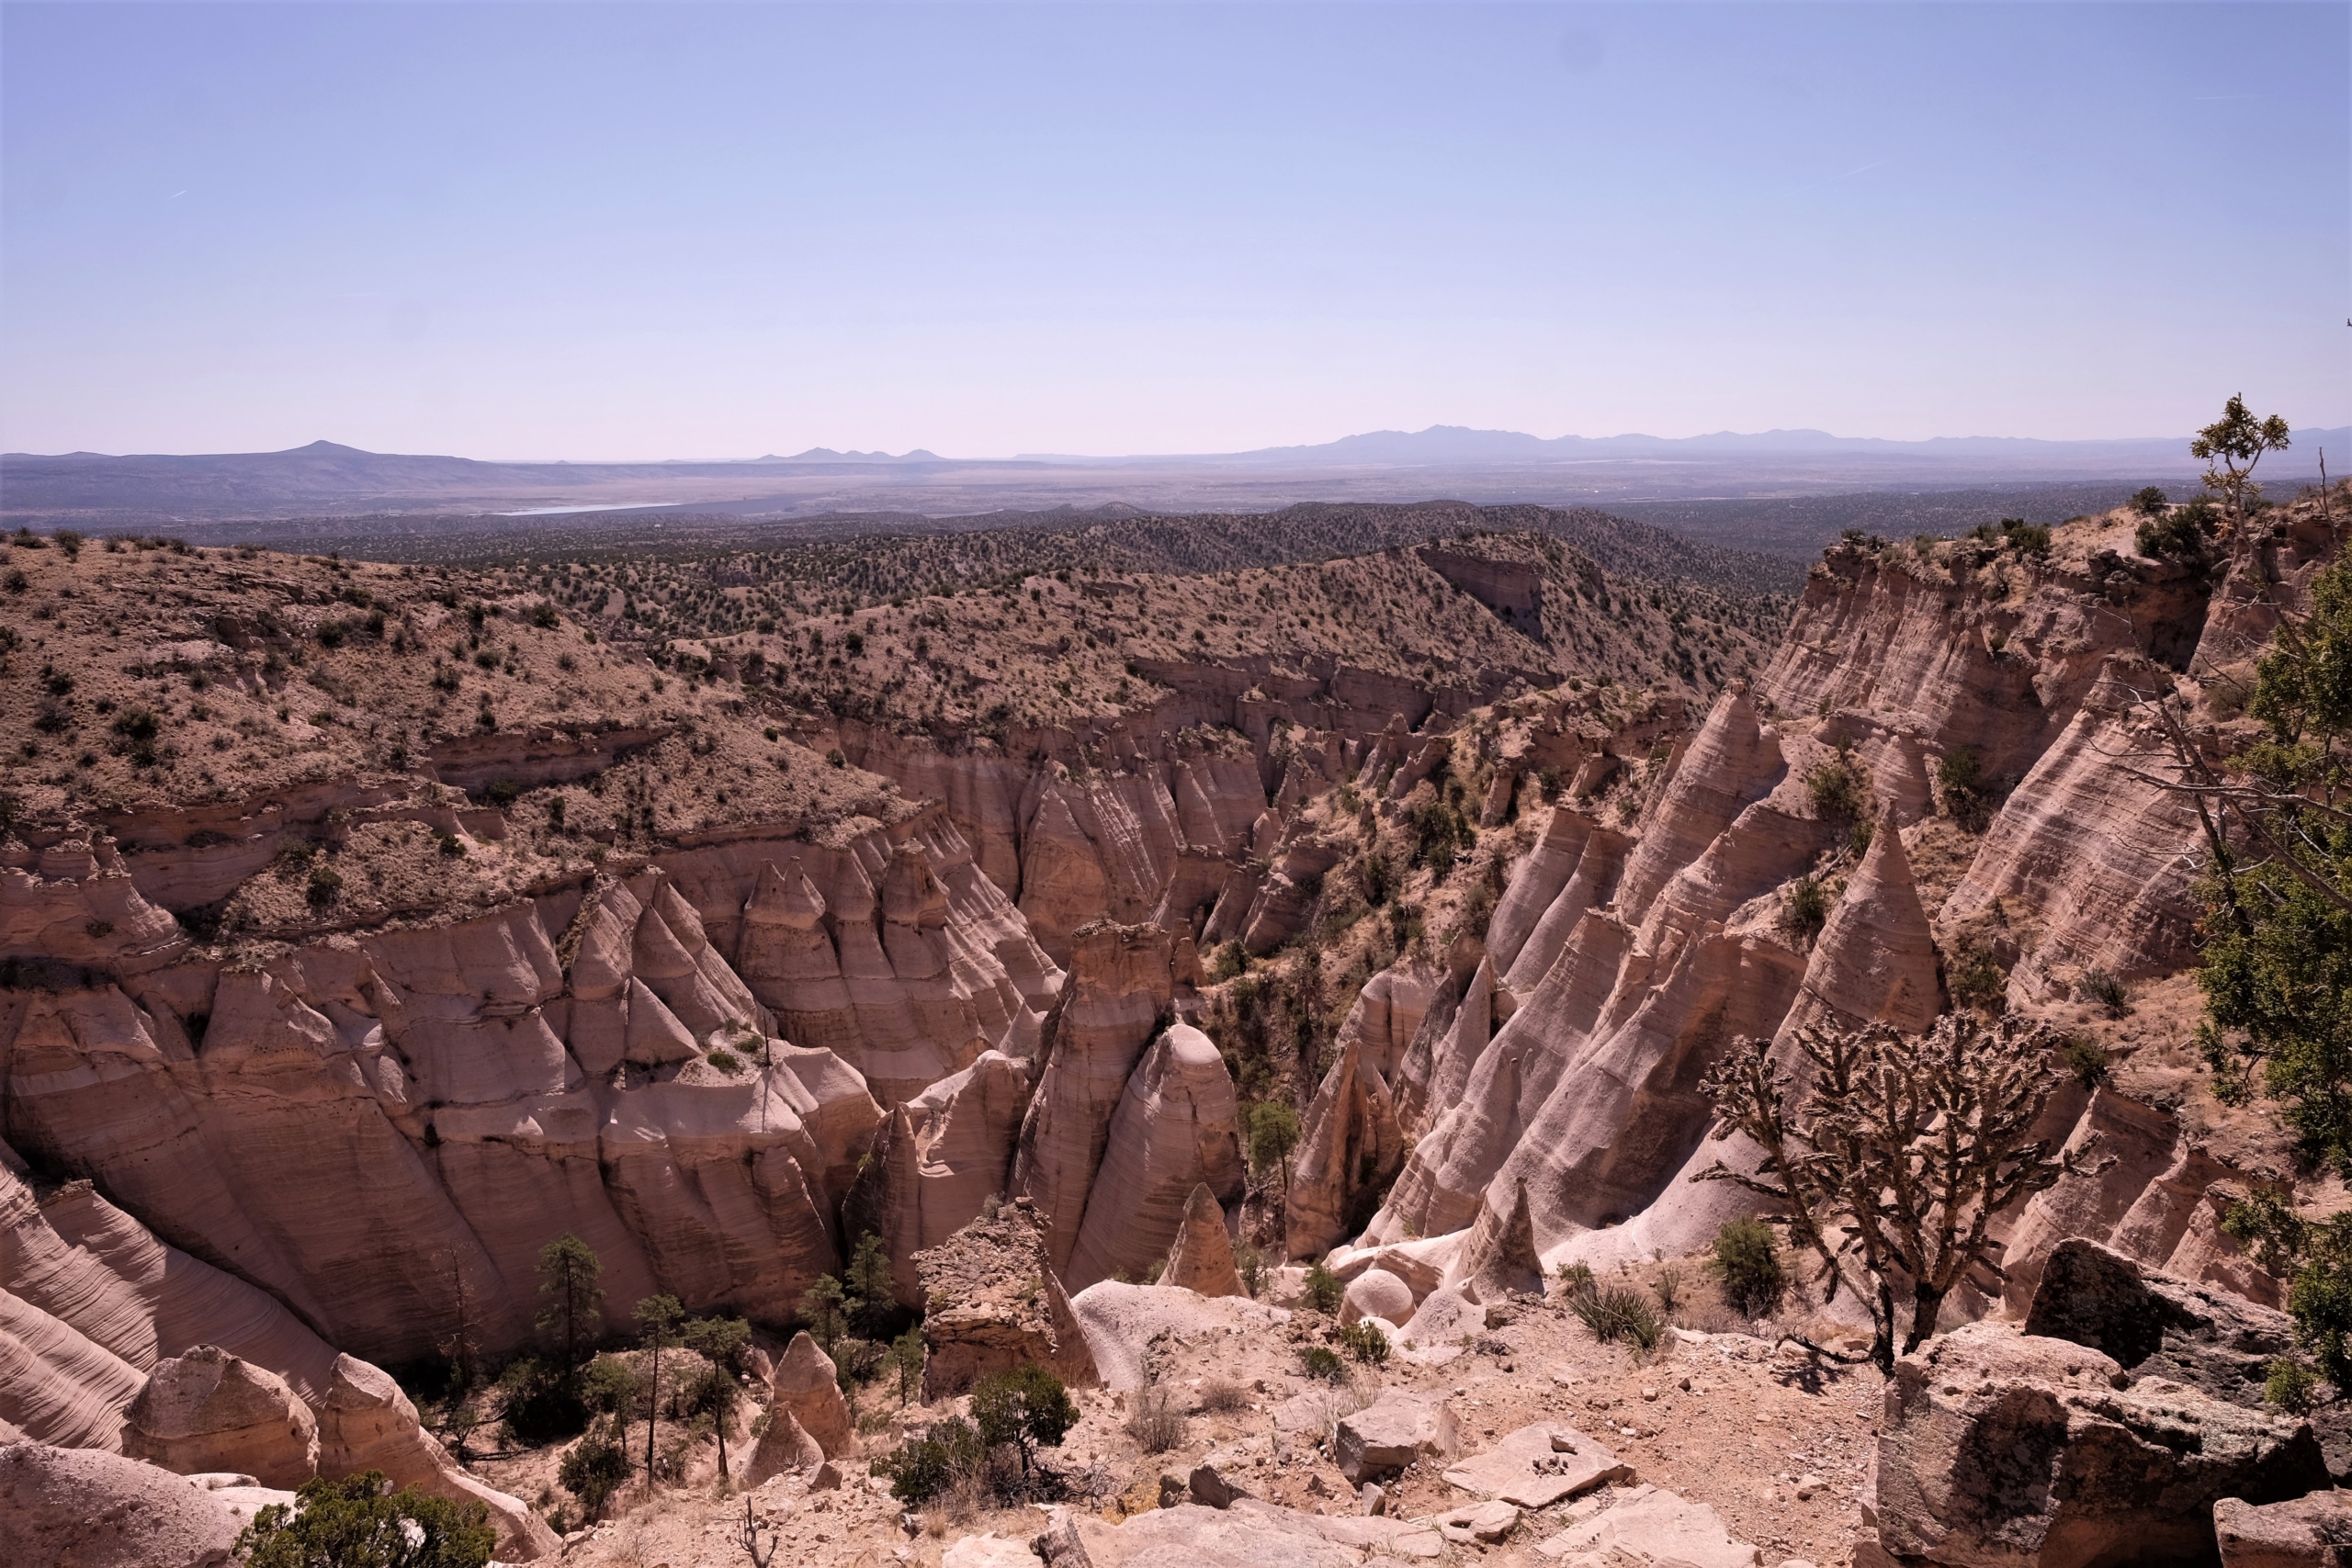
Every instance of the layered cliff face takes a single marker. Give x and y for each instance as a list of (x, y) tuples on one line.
[(1562, 1073), (590, 1060)]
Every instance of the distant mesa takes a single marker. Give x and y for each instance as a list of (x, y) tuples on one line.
[(827, 454)]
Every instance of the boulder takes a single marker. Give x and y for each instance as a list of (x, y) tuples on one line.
[(785, 1446), (1123, 1322), (1536, 1466), (94, 1509), (989, 1550), (1419, 1275), (211, 1410), (1209, 1489), (1480, 1524), (1200, 1257), (2313, 1532), (1394, 1430), (2157, 1325), (1647, 1526), (1444, 1317), (1061, 1545), (806, 1384), (2000, 1448), (999, 1307), (1376, 1293)]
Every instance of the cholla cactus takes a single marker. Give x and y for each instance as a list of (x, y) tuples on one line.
[(1891, 1162)]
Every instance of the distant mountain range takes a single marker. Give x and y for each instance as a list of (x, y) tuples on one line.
[(1454, 444), (1447, 462)]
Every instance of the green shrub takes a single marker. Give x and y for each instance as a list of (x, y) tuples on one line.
[(359, 1522), (2291, 1386), (1974, 979), (1613, 1314), (1026, 1408), (330, 634), (2177, 537), (1324, 1366), (1576, 1280), (2086, 1060), (2100, 986), (1363, 1341), (1806, 912), (1230, 961), (608, 1385), (1748, 1266), (1836, 790), (726, 1061), (325, 885), (538, 1402), (1324, 1289), (596, 1467), (502, 791), (1961, 773), (921, 1468)]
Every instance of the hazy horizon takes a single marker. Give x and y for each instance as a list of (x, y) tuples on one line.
[(639, 234), (932, 452)]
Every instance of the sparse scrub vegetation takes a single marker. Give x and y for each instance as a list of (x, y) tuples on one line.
[(1748, 1267)]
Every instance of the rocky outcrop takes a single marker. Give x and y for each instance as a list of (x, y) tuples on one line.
[(995, 1304), (1587, 1094), (2313, 1532), (2004, 1448), (806, 1387), (1177, 1127), (1120, 987), (785, 1448), (1200, 1257), (2159, 1325), (2099, 864), (209, 1411), (940, 1156), (1351, 1142), (133, 1304), (2152, 1190), (94, 1509), (427, 1076), (1499, 1258), (366, 1423)]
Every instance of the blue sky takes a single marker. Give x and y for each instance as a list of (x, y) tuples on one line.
[(607, 231)]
